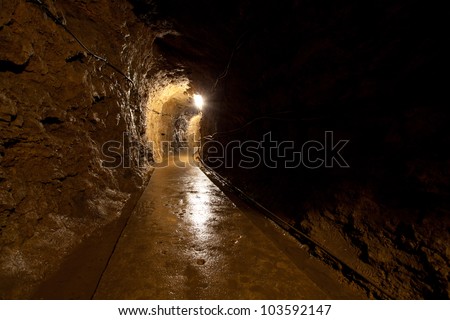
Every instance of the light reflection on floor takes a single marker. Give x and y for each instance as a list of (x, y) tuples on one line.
[(199, 206), (187, 240)]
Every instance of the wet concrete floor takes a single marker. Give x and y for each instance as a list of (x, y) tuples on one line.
[(187, 240)]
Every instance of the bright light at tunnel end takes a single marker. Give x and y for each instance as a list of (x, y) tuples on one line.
[(198, 101)]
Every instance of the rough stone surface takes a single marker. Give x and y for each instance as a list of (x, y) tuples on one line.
[(58, 105)]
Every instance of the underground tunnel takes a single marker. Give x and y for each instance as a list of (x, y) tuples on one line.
[(235, 149)]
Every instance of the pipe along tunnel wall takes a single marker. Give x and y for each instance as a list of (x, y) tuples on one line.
[(369, 73)]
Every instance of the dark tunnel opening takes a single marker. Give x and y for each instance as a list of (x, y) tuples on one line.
[(329, 119)]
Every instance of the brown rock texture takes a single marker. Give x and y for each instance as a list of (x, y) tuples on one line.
[(58, 106)]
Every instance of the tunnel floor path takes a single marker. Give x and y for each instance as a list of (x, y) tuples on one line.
[(187, 240)]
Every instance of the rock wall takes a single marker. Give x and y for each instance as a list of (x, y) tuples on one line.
[(58, 105)]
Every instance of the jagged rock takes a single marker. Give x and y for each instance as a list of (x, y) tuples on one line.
[(18, 50), (8, 109), (54, 190)]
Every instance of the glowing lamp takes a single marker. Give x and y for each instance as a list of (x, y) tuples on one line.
[(198, 101)]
